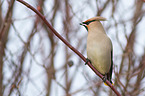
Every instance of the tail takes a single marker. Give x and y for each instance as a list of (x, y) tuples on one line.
[(109, 74), (110, 82)]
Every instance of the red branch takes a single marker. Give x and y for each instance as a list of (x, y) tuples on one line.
[(70, 46)]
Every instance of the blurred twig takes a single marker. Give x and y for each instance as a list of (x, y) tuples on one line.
[(71, 47)]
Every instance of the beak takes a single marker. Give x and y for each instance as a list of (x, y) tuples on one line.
[(85, 25)]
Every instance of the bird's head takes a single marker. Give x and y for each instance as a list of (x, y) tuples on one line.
[(87, 22)]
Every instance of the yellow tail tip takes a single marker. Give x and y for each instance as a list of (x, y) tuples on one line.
[(107, 85)]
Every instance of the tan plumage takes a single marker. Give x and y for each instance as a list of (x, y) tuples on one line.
[(99, 46)]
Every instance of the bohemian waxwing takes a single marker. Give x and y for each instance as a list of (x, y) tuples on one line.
[(99, 47)]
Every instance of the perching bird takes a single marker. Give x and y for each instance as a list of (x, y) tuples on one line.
[(99, 47)]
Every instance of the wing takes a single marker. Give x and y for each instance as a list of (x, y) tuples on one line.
[(109, 74)]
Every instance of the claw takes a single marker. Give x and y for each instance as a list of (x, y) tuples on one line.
[(104, 79), (87, 60)]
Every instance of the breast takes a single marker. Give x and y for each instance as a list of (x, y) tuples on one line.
[(99, 52)]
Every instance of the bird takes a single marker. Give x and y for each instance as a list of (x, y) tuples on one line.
[(99, 47)]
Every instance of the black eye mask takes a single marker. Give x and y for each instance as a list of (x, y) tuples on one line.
[(86, 23)]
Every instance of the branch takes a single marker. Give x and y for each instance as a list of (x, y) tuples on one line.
[(67, 44)]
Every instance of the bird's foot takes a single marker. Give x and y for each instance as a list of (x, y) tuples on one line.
[(87, 60), (104, 78)]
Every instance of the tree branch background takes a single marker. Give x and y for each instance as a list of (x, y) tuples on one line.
[(35, 62)]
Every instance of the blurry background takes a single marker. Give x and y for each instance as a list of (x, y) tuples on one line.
[(34, 62)]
